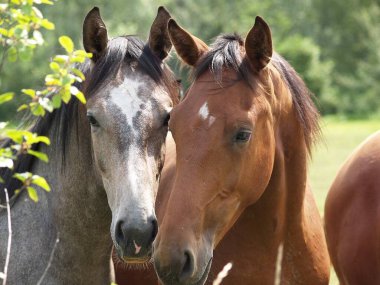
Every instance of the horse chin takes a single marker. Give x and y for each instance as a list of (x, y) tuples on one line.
[(204, 276)]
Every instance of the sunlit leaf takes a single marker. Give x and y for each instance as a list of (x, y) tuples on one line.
[(6, 162), (66, 43), (80, 97), (40, 155), (32, 193), (22, 107), (78, 73), (42, 139), (22, 176), (29, 92), (65, 95), (47, 24), (6, 97), (38, 37), (54, 66), (40, 181), (61, 58), (46, 104), (56, 100), (4, 32), (37, 109)]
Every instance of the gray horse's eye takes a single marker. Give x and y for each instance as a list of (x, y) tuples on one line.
[(166, 121), (92, 120)]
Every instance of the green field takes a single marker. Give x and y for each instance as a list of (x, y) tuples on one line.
[(340, 138)]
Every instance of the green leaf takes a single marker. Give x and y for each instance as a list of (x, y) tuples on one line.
[(37, 109), (66, 43), (12, 54), (32, 193), (54, 66), (16, 135), (57, 101), (22, 107), (50, 80), (40, 181), (65, 95), (6, 97), (78, 73), (47, 24), (42, 139), (4, 32), (22, 176), (29, 92), (80, 97), (61, 58), (40, 155)]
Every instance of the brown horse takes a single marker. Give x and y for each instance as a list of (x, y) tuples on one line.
[(243, 134), (352, 215)]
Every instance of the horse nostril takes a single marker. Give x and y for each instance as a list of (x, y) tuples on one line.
[(119, 235), (188, 266), (154, 229)]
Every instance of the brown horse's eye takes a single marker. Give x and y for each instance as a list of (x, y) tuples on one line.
[(93, 121), (243, 136)]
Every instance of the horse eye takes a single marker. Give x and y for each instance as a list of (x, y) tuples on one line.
[(243, 136), (166, 121), (93, 121)]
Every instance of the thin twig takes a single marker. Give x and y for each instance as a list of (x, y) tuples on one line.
[(9, 238), (50, 261), (222, 274), (280, 253)]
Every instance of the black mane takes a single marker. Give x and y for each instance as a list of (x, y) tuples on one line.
[(119, 50), (228, 52)]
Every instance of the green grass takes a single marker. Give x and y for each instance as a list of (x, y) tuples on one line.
[(340, 138)]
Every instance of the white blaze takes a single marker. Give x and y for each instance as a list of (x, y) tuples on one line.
[(125, 96), (203, 111)]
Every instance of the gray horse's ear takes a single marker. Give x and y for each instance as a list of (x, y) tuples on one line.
[(258, 44), (159, 41), (188, 47), (95, 36)]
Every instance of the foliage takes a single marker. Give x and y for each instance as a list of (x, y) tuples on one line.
[(20, 23), (340, 38)]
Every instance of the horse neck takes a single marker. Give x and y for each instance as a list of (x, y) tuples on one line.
[(78, 205)]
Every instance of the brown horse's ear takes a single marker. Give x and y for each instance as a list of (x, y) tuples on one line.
[(159, 41), (94, 34), (187, 46), (258, 44)]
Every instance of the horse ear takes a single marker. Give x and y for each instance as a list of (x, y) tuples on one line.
[(159, 41), (94, 34), (258, 44), (187, 46)]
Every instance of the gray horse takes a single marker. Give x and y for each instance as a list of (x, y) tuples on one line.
[(105, 162)]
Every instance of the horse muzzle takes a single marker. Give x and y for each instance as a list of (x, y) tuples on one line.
[(133, 241)]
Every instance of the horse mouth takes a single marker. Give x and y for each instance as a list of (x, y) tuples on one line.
[(136, 260), (143, 260)]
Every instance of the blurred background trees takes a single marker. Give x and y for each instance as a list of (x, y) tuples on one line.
[(333, 44)]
